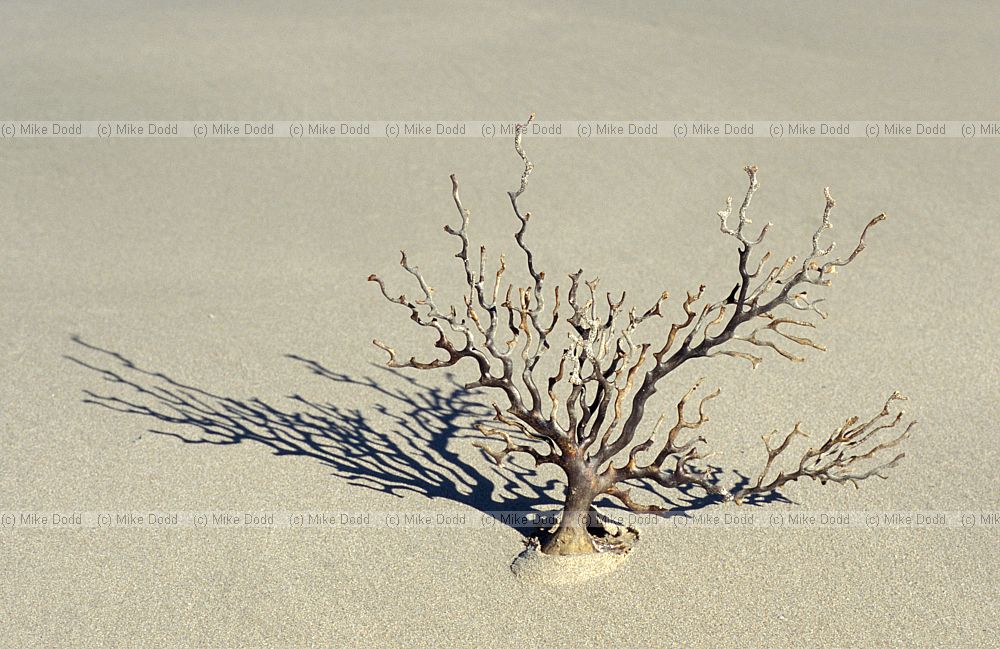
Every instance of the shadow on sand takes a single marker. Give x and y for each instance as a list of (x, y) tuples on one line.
[(416, 453)]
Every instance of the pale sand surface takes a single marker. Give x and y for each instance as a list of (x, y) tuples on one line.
[(208, 262)]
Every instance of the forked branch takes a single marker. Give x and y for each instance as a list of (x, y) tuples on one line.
[(586, 416), (855, 451)]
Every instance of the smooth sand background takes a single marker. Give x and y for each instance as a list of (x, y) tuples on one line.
[(209, 262)]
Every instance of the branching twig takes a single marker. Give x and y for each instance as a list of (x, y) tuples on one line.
[(587, 414), (854, 452)]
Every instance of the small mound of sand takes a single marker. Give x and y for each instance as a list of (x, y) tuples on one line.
[(535, 567)]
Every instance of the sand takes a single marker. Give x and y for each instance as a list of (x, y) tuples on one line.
[(226, 279)]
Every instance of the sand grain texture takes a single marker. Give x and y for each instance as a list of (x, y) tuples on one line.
[(205, 265)]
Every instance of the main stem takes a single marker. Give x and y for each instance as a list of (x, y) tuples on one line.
[(572, 535)]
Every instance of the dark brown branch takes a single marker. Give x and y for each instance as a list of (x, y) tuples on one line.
[(511, 447), (747, 303), (610, 378)]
